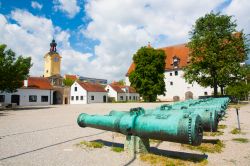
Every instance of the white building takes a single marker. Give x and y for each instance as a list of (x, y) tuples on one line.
[(86, 93), (122, 93), (35, 92), (176, 86)]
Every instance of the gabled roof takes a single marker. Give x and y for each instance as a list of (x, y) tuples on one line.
[(117, 88), (181, 51), (130, 89), (120, 88), (38, 83), (71, 77), (91, 87)]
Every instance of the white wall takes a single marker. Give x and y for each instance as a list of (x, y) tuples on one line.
[(114, 94), (98, 97), (24, 96), (123, 97), (133, 96), (111, 92), (127, 82), (180, 87), (80, 92)]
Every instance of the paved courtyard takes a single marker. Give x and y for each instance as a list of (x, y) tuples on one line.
[(48, 136)]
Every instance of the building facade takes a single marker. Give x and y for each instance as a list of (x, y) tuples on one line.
[(36, 91), (122, 93), (177, 57), (52, 71), (86, 93)]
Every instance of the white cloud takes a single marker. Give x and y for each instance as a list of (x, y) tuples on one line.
[(31, 36), (69, 7), (122, 27), (36, 5), (240, 11)]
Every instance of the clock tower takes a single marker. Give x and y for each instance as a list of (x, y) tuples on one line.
[(52, 61)]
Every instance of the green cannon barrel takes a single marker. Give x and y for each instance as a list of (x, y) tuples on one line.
[(174, 127), (210, 118)]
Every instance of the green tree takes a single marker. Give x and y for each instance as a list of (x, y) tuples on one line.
[(68, 82), (121, 82), (240, 90), (148, 76), (216, 51), (12, 70)]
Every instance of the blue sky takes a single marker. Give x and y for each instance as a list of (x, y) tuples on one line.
[(99, 38), (59, 19)]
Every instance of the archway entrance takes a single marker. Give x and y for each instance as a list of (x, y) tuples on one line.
[(176, 98), (188, 95), (57, 97)]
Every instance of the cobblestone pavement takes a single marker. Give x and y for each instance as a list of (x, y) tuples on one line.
[(48, 136)]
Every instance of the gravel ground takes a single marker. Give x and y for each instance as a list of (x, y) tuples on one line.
[(48, 136)]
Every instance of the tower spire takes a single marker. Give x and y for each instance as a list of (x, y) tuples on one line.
[(53, 46)]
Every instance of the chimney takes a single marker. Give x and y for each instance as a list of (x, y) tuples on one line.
[(25, 83)]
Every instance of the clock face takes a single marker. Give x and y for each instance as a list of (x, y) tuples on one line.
[(56, 59)]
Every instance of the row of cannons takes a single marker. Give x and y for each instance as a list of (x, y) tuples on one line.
[(181, 122)]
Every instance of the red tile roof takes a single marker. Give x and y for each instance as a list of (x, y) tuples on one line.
[(130, 89), (38, 83), (181, 51), (117, 88), (92, 87), (71, 77)]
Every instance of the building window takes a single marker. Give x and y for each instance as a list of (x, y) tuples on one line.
[(107, 90), (92, 97), (32, 98), (176, 73), (129, 97), (72, 97), (2, 98), (133, 97), (170, 74), (44, 98), (121, 97), (77, 97), (81, 97), (171, 83), (75, 89), (205, 93)]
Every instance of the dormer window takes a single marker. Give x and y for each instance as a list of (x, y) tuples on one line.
[(176, 62)]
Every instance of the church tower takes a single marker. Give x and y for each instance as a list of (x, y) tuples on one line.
[(52, 61)]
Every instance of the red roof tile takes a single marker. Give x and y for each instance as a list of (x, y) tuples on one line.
[(130, 89), (181, 51), (92, 87), (38, 83), (117, 88)]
